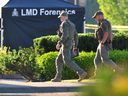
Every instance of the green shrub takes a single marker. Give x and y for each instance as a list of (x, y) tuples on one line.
[(85, 60), (2, 65), (108, 84), (48, 43), (120, 57), (87, 42), (22, 62), (46, 63), (120, 41), (35, 67)]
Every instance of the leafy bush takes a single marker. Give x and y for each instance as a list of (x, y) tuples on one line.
[(2, 55), (2, 66), (48, 43), (22, 62), (47, 65), (120, 41), (120, 57), (85, 60), (35, 67), (87, 42), (109, 84)]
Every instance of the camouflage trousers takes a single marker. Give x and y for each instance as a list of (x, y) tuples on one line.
[(64, 57)]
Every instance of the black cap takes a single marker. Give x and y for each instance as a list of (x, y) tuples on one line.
[(63, 13), (97, 13)]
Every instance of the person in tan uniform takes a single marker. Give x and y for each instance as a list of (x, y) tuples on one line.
[(104, 37)]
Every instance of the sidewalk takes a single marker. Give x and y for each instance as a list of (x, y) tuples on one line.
[(23, 88), (41, 94)]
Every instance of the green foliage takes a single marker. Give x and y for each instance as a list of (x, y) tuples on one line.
[(3, 54), (49, 42), (120, 57), (85, 60), (47, 65), (45, 42), (87, 42), (2, 66), (120, 41), (22, 62), (115, 10), (36, 67), (108, 84)]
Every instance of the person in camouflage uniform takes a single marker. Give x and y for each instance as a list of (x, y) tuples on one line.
[(68, 40), (104, 36)]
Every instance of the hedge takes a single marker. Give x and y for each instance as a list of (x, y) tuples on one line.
[(47, 65), (85, 60), (87, 42), (36, 67)]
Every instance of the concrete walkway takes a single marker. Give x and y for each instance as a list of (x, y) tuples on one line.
[(42, 94), (21, 87)]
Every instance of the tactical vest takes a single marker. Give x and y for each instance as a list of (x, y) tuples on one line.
[(100, 33)]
